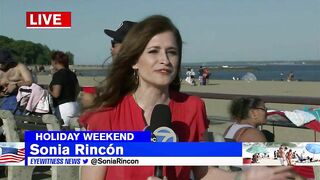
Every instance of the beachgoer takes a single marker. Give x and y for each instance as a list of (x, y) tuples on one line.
[(302, 155), (190, 77), (289, 157), (281, 76), (206, 75), (200, 73), (282, 155), (290, 76), (64, 88), (248, 114), (41, 68), (255, 158), (144, 74), (118, 36), (12, 76), (294, 155), (275, 155)]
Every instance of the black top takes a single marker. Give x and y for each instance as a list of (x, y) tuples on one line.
[(68, 82)]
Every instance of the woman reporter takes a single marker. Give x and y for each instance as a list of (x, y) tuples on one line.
[(144, 74)]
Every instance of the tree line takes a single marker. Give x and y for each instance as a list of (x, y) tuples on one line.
[(28, 52)]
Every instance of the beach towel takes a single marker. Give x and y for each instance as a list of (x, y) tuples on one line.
[(34, 98), (297, 117), (314, 111)]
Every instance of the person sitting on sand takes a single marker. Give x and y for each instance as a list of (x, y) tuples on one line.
[(248, 114), (190, 77), (255, 158)]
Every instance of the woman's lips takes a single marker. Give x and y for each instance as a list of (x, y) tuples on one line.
[(164, 71)]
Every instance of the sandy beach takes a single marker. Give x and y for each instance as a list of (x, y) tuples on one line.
[(216, 107), (276, 162)]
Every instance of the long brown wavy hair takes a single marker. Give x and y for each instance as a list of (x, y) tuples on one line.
[(121, 79)]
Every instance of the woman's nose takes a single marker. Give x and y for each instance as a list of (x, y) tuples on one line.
[(164, 58)]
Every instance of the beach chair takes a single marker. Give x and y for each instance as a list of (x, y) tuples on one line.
[(15, 125)]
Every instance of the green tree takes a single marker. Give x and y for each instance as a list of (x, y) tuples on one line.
[(29, 52)]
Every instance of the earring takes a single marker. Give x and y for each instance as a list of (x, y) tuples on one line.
[(135, 76)]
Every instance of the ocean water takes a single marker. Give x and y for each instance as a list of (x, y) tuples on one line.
[(262, 71), (272, 72)]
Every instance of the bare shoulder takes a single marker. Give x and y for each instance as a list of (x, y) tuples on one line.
[(252, 135), (22, 67)]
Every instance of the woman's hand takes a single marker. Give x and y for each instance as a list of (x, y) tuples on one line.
[(269, 173)]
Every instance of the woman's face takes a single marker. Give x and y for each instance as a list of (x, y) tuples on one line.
[(158, 63), (115, 48), (261, 113), (54, 64)]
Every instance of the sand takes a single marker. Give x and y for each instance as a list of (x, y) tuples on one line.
[(220, 107), (276, 162)]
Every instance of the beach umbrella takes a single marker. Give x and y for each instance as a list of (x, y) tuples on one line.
[(249, 77), (254, 149), (278, 144), (313, 148)]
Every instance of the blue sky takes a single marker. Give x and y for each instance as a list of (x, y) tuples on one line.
[(213, 30)]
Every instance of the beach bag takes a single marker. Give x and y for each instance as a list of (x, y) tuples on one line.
[(34, 100)]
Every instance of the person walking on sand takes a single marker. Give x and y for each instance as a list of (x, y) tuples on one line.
[(289, 157), (282, 155)]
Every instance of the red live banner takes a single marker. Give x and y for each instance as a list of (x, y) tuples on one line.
[(48, 20)]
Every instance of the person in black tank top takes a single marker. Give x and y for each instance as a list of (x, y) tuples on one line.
[(64, 87)]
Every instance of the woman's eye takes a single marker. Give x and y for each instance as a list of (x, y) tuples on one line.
[(172, 52), (153, 51)]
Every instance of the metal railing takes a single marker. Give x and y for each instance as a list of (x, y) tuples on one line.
[(266, 99)]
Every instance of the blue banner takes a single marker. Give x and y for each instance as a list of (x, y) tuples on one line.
[(136, 149)]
